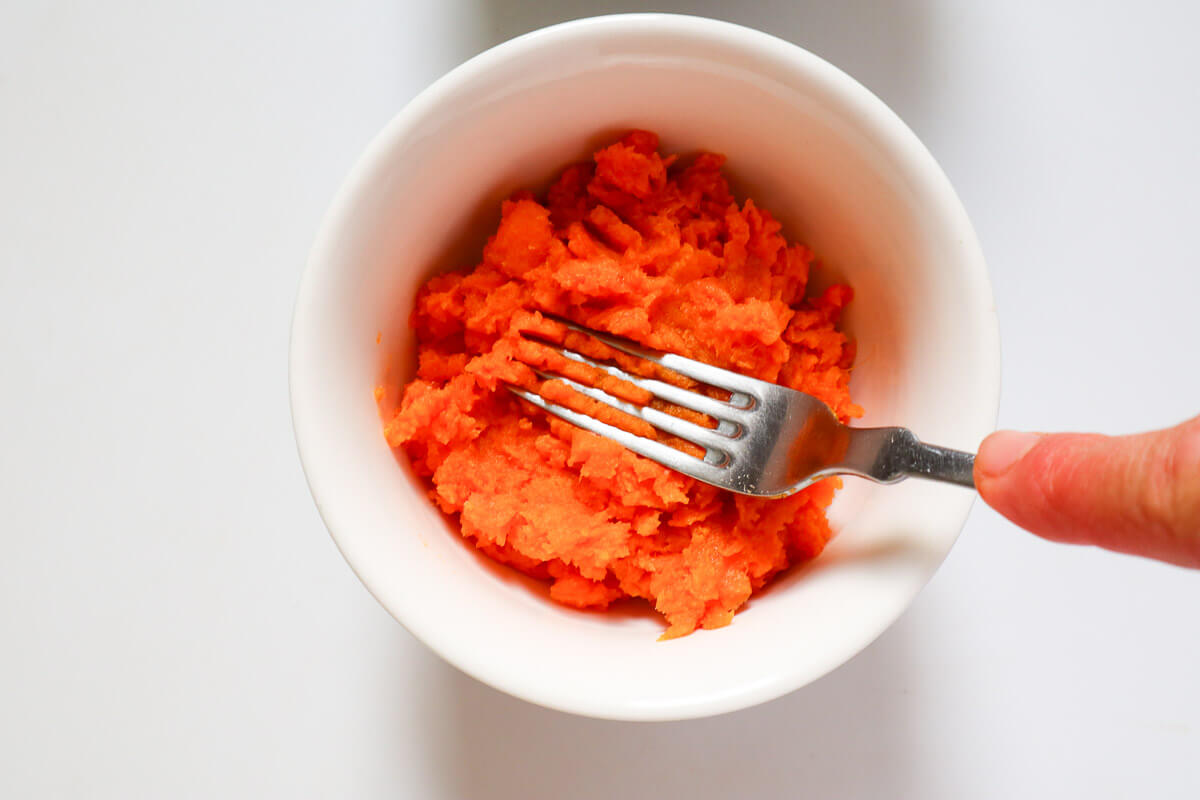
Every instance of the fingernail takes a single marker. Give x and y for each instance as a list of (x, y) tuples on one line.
[(1000, 451)]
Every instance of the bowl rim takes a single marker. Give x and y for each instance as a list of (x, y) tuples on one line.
[(884, 125)]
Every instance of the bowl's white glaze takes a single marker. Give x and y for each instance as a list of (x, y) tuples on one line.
[(842, 173)]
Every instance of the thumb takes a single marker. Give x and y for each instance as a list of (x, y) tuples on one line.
[(1135, 494)]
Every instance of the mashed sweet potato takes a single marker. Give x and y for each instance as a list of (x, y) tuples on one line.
[(635, 244)]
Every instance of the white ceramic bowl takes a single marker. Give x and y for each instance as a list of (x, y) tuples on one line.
[(842, 173)]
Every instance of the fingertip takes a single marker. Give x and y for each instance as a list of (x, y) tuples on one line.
[(1001, 451), (1132, 494)]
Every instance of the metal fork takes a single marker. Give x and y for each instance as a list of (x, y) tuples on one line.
[(769, 441)]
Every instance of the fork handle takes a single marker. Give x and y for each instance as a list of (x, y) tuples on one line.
[(891, 454), (941, 464)]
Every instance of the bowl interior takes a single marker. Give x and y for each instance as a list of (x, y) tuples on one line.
[(841, 173)]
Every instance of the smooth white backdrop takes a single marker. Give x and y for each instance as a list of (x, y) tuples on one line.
[(174, 620)]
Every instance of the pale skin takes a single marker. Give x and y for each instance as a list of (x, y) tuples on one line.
[(1137, 494)]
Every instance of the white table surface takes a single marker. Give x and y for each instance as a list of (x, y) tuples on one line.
[(174, 620)]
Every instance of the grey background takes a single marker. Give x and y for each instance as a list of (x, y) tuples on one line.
[(174, 620)]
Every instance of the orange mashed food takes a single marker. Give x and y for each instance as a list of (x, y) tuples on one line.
[(637, 244)]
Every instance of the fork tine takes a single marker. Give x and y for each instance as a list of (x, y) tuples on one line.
[(717, 409), (713, 440), (655, 451), (697, 370)]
